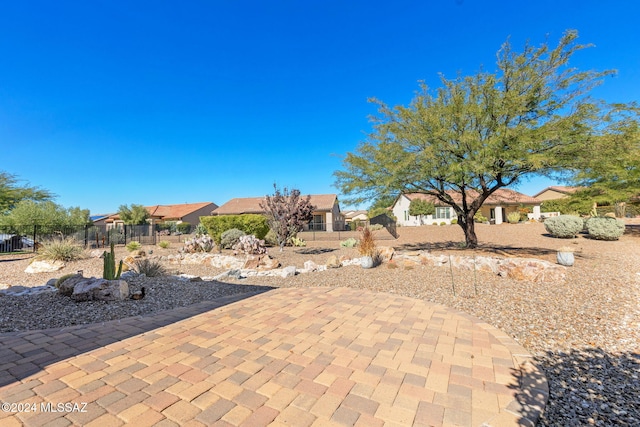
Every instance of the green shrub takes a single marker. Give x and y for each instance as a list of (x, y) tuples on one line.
[(454, 221), (564, 226), (230, 237), (349, 243), (443, 223), (149, 267), (513, 217), (66, 249), (271, 239), (249, 223), (605, 228), (478, 217), (164, 244), (184, 228), (133, 246), (376, 227)]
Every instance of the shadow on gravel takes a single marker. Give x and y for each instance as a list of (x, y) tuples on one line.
[(23, 354), (504, 250), (591, 387), (314, 251)]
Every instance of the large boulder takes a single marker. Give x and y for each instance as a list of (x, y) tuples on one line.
[(333, 262), (44, 266), (385, 253), (67, 285), (93, 289)]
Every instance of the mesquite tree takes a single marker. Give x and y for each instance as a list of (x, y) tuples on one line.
[(479, 133), (287, 212)]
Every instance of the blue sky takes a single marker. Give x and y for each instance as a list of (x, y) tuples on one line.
[(107, 103)]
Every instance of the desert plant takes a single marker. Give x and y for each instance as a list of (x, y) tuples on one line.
[(250, 245), (203, 243), (249, 223), (230, 237), (133, 246), (164, 244), (513, 217), (349, 243), (109, 271), (200, 229), (454, 221), (443, 223), (564, 226), (286, 213), (605, 228), (271, 239), (367, 244), (61, 249), (149, 267), (295, 241), (478, 217)]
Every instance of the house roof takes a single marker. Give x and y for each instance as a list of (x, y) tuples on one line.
[(352, 214), (172, 211), (248, 205), (502, 196), (560, 189)]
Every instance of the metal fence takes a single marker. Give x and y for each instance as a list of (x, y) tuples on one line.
[(29, 237)]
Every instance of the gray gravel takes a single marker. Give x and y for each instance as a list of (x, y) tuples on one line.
[(584, 333)]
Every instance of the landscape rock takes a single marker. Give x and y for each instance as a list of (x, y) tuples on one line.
[(66, 287), (385, 253), (289, 271), (225, 261), (310, 266), (333, 262), (93, 289), (44, 266), (96, 253)]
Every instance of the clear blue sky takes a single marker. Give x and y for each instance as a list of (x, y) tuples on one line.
[(107, 103)]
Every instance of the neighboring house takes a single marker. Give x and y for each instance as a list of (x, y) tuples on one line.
[(351, 216), (100, 219), (496, 208), (326, 216), (556, 192), (187, 212)]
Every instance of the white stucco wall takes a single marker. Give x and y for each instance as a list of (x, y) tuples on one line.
[(401, 212)]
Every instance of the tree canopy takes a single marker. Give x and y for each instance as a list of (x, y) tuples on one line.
[(476, 134), (48, 215), (134, 215), (421, 207), (11, 192)]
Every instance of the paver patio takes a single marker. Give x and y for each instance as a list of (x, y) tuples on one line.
[(301, 357)]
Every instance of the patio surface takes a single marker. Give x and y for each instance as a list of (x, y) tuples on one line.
[(301, 357)]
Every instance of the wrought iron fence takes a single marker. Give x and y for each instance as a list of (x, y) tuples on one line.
[(29, 237)]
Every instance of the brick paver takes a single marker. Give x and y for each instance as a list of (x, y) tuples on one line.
[(289, 356)]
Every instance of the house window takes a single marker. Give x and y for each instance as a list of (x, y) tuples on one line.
[(406, 215), (443, 213), (317, 223)]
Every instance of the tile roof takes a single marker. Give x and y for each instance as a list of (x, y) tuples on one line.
[(247, 205), (502, 196), (560, 189), (168, 212)]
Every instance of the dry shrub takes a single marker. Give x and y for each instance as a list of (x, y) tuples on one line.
[(367, 245)]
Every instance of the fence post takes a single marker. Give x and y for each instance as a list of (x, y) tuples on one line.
[(35, 231)]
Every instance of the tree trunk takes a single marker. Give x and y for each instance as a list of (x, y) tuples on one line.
[(468, 228)]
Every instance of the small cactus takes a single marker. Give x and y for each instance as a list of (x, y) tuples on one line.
[(109, 271)]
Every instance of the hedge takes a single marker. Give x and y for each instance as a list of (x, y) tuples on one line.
[(249, 223)]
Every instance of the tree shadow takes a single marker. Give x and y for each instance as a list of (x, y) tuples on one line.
[(482, 249), (591, 387), (23, 354), (314, 251)]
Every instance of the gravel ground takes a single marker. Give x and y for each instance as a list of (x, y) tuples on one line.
[(584, 333)]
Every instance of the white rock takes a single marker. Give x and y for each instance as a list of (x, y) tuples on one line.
[(44, 266), (289, 271)]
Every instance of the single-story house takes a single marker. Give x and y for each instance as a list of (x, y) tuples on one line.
[(186, 212), (350, 216), (496, 208), (556, 192), (326, 216)]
